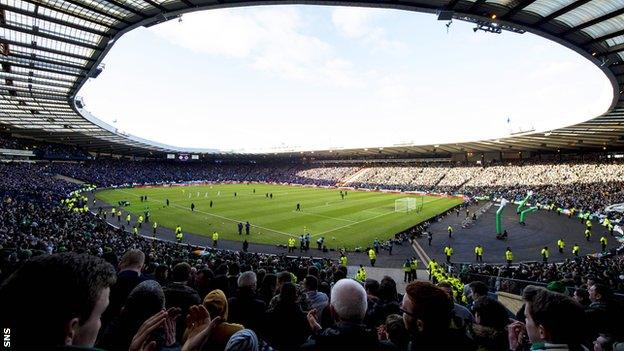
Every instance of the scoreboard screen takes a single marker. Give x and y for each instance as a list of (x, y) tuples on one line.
[(182, 157)]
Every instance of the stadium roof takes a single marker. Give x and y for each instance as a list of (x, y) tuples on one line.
[(49, 48)]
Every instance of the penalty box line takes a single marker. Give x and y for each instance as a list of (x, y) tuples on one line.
[(219, 216), (364, 220)]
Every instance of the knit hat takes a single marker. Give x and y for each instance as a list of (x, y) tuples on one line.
[(556, 286), (216, 302), (243, 340)]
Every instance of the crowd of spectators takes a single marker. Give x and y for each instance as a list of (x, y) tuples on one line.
[(61, 272), (573, 273)]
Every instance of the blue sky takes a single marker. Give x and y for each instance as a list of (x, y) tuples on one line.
[(312, 77)]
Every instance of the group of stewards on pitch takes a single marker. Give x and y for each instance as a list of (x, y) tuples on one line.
[(544, 253)]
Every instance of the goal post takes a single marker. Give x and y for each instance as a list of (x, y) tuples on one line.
[(405, 204)]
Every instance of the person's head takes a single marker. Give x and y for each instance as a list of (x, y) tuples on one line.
[(312, 270), (56, 300), (161, 273), (395, 328), (181, 272), (216, 304), (310, 283), (348, 301), (478, 289), (283, 277), (581, 296), (288, 294), (247, 280), (426, 309), (448, 289), (371, 286), (388, 289), (599, 293), (243, 340), (132, 260), (490, 313), (604, 342), (552, 317)]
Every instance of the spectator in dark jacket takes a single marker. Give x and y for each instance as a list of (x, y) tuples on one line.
[(128, 278), (286, 326), (348, 306), (245, 308), (179, 294)]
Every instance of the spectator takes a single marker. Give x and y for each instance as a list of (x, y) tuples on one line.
[(489, 330), (245, 308), (553, 321), (128, 278), (348, 306), (217, 305), (314, 300), (179, 294), (76, 290), (427, 314), (286, 327)]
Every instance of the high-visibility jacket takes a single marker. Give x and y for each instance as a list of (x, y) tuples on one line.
[(371, 254), (576, 249), (588, 223), (178, 230), (603, 240), (179, 236), (509, 255), (587, 233), (478, 250), (128, 218), (448, 251), (140, 219), (215, 236), (407, 267), (414, 265), (343, 260), (450, 229), (545, 253), (291, 242), (136, 231), (113, 211), (118, 213), (155, 225), (560, 244)]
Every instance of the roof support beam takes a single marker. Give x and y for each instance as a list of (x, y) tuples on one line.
[(53, 20), (44, 49), (98, 11), (43, 69), (45, 60), (128, 8), (592, 22), (561, 11), (42, 34), (605, 37), (519, 5), (156, 5)]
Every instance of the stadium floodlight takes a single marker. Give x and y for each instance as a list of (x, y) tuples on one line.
[(405, 204)]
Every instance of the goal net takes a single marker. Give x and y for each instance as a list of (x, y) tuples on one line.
[(405, 204)]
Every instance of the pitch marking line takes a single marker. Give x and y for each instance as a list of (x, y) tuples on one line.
[(323, 216), (354, 223), (218, 216)]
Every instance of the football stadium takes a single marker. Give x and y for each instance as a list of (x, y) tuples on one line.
[(264, 177)]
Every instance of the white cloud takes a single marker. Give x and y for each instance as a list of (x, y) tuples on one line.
[(270, 40), (359, 23)]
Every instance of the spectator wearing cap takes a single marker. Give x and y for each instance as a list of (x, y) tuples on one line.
[(217, 305)]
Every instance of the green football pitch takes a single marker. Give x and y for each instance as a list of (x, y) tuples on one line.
[(355, 221)]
